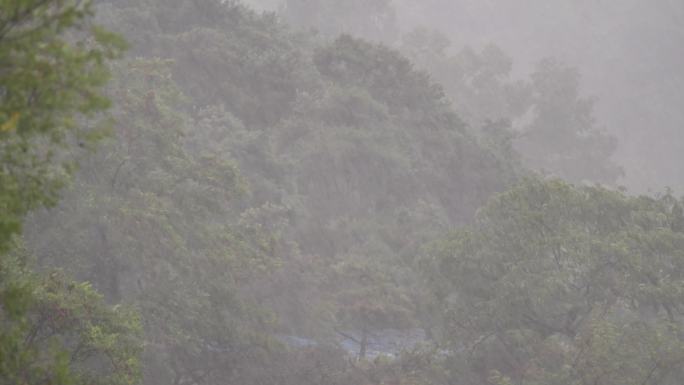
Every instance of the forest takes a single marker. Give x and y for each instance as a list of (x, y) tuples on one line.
[(328, 192)]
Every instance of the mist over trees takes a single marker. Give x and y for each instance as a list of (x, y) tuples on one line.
[(340, 192), (627, 52)]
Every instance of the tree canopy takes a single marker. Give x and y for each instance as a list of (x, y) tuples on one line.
[(239, 200), (565, 285), (53, 65)]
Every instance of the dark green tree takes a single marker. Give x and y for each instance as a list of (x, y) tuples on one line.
[(53, 64), (557, 284), (52, 68), (344, 148), (59, 331), (151, 222)]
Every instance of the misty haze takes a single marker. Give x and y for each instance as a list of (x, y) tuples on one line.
[(341, 192)]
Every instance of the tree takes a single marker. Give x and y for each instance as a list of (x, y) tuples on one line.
[(52, 67), (562, 137), (222, 53), (53, 64), (363, 300), (342, 149), (558, 284), (152, 222), (375, 135), (59, 331)]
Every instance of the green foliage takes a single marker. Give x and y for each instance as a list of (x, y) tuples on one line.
[(373, 152), (58, 331), (403, 152), (362, 298), (259, 183), (222, 54), (563, 285), (389, 77), (349, 159), (151, 218), (344, 146), (52, 67)]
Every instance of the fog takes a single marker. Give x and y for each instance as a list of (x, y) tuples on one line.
[(628, 52), (328, 192)]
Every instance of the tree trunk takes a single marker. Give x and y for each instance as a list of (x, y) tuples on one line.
[(364, 344)]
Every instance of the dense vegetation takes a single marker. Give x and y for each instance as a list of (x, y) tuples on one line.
[(246, 202)]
